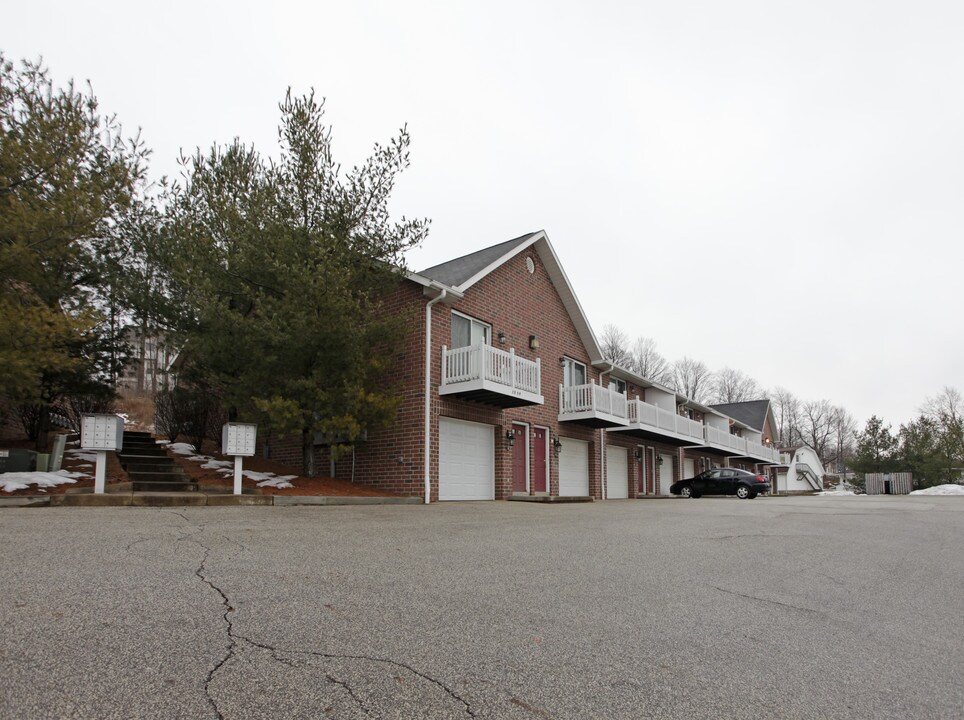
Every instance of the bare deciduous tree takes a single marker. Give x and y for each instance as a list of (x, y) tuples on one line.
[(732, 386), (615, 346), (819, 425), (692, 378), (842, 441), (948, 405), (786, 411), (649, 363)]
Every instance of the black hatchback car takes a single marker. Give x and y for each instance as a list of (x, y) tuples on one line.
[(722, 481)]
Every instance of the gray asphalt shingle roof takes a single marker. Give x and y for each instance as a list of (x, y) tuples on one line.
[(455, 272), (751, 412)]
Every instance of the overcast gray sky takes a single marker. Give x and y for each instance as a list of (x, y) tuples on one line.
[(775, 187)]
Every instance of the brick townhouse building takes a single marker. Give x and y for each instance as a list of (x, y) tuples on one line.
[(503, 389)]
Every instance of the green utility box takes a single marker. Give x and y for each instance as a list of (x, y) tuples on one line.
[(17, 460)]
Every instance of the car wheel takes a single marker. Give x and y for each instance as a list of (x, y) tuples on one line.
[(686, 491), (743, 492)]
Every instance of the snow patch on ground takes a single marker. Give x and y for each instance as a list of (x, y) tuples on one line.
[(941, 490), (81, 454), (226, 467), (11, 481), (838, 491), (269, 479)]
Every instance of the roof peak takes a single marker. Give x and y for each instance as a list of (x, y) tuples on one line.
[(458, 271)]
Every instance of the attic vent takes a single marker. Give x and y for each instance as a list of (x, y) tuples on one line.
[(530, 266)]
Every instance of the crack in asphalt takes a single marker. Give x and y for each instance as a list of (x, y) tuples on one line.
[(275, 651), (351, 693), (235, 638), (771, 602), (232, 644), (438, 683), (135, 542)]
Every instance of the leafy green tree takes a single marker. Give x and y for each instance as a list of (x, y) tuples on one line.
[(876, 448), (932, 446), (67, 176), (920, 452), (283, 267)]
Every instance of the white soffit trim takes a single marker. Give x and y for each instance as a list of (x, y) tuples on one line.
[(433, 288)]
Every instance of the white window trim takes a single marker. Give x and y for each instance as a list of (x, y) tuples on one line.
[(573, 361), (488, 326)]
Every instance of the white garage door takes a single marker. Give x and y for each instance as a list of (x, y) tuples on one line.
[(617, 473), (466, 460), (574, 468), (665, 474), (689, 467)]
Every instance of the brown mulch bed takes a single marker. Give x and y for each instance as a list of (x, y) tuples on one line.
[(303, 485), (210, 477)]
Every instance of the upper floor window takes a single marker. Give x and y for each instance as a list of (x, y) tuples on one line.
[(468, 332), (573, 373), (617, 385)]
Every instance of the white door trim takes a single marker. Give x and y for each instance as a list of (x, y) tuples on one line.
[(512, 424)]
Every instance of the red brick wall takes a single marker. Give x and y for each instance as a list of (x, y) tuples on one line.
[(710, 459), (512, 301), (519, 304)]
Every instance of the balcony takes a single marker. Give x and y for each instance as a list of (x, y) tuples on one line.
[(489, 375), (724, 441), (760, 452), (593, 405), (655, 423)]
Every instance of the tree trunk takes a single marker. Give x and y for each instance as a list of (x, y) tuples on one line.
[(43, 428), (307, 452)]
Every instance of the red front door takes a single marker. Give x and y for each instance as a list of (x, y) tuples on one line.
[(520, 458), (540, 475)]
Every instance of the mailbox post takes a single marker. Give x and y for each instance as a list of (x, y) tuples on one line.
[(102, 433), (238, 439)]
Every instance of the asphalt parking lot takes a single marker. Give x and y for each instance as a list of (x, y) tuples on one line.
[(812, 607)]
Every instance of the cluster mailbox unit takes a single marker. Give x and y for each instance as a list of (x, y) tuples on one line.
[(238, 439), (102, 433)]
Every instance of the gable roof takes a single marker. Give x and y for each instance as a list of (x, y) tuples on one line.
[(463, 272), (462, 269), (752, 413)]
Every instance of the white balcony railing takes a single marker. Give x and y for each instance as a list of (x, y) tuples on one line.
[(642, 413), (656, 418), (723, 438), (759, 450), (492, 365), (592, 398), (690, 428)]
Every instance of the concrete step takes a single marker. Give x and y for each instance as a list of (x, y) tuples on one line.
[(143, 446), (134, 459), (151, 486), (162, 465), (153, 451), (168, 499), (171, 475), (137, 434)]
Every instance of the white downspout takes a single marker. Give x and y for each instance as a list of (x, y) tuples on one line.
[(603, 469), (428, 392)]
